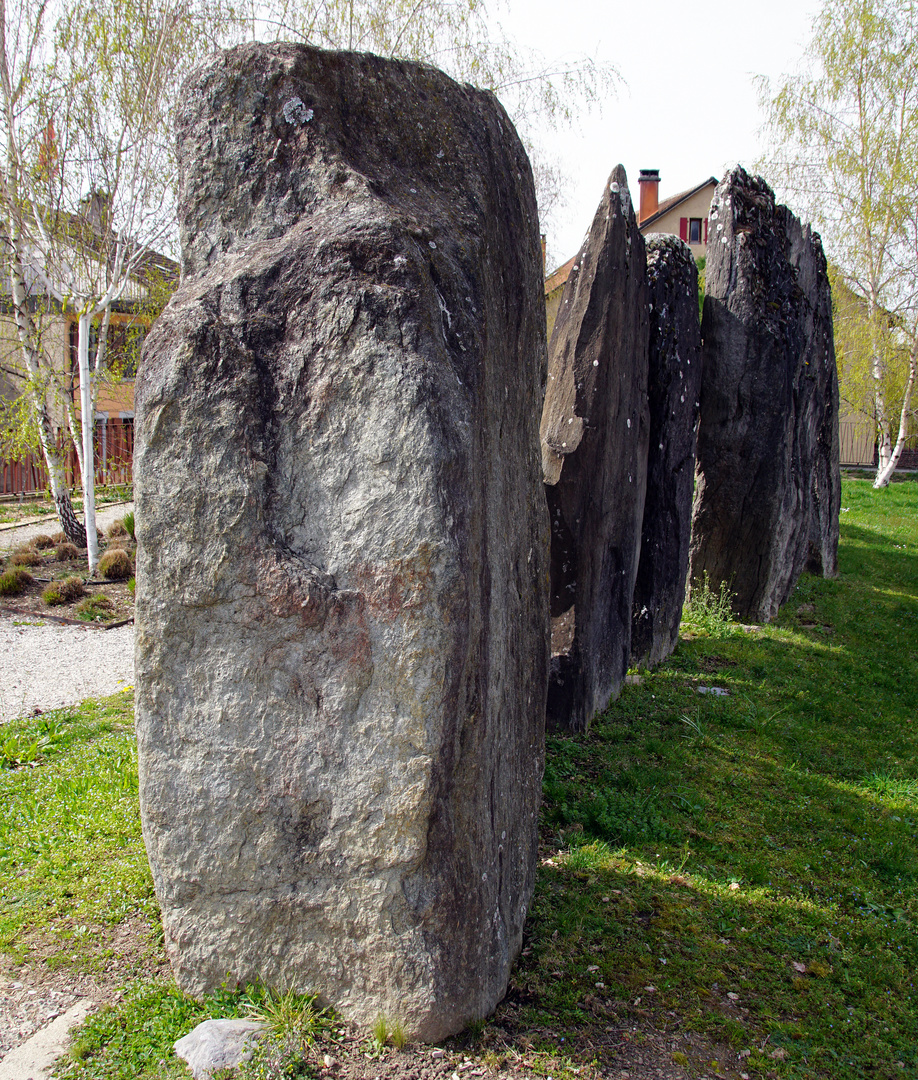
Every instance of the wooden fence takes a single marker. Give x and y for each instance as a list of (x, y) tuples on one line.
[(114, 458)]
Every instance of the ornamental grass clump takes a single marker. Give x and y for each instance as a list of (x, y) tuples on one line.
[(15, 582), (26, 558), (63, 592), (42, 542), (66, 552), (116, 530), (94, 608), (115, 565)]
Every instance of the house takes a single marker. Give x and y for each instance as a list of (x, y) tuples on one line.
[(129, 319), (684, 215)]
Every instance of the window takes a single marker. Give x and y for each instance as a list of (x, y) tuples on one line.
[(694, 236)]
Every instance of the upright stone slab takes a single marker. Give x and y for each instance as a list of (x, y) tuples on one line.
[(594, 458), (674, 384), (342, 617), (768, 489)]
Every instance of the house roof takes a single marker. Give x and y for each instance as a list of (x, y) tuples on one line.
[(674, 200), (559, 277)]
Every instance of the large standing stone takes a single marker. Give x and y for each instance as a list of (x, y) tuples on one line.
[(768, 488), (674, 384), (594, 458), (342, 624)]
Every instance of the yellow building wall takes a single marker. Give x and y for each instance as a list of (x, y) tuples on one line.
[(697, 206)]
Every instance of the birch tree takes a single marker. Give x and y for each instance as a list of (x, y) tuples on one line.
[(88, 184), (23, 86), (846, 151)]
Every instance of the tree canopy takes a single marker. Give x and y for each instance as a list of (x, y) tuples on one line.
[(845, 150)]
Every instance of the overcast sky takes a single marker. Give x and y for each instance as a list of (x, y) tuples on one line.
[(687, 105)]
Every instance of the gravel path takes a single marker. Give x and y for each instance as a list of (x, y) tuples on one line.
[(47, 666)]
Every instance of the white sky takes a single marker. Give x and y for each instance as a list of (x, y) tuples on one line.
[(687, 106)]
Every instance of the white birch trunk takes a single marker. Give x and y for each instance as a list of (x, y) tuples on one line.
[(885, 472), (87, 421)]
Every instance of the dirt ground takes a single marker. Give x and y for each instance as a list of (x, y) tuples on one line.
[(48, 569)]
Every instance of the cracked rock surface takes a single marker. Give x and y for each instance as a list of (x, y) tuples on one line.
[(674, 383)]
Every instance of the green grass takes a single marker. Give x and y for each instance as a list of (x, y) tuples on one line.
[(762, 844), (743, 866), (71, 857)]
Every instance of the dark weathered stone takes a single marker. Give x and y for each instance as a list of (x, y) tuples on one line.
[(594, 457), (342, 616), (674, 383), (768, 489)]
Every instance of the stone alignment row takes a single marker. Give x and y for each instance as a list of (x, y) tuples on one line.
[(346, 563)]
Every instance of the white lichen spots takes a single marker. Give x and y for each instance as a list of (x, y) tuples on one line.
[(432, 244), (628, 422), (440, 154), (413, 190), (295, 112), (661, 446), (614, 188), (682, 398), (595, 363), (624, 196)]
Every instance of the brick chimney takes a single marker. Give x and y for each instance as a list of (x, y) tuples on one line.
[(650, 193)]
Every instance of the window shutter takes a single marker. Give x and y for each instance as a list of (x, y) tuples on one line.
[(683, 228), (705, 230)]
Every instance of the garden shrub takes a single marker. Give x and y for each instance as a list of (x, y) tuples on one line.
[(26, 558), (115, 565), (94, 608), (63, 592), (15, 581)]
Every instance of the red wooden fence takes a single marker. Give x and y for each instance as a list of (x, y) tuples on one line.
[(114, 458)]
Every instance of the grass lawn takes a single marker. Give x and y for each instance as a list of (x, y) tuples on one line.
[(740, 866)]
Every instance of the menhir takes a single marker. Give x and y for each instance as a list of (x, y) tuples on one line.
[(768, 488), (594, 457), (674, 383), (342, 619)]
